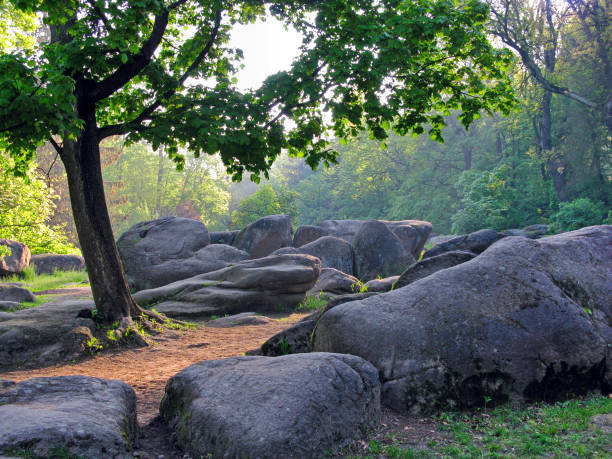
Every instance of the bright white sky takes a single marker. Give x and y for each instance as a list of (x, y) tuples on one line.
[(268, 48)]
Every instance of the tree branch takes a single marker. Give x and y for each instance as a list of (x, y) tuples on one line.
[(117, 129), (130, 69)]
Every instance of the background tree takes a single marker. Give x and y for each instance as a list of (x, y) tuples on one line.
[(128, 68)]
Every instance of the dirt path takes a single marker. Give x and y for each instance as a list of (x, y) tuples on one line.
[(148, 369)]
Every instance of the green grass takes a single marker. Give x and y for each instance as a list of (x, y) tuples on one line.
[(39, 282), (312, 302), (40, 299), (557, 430)]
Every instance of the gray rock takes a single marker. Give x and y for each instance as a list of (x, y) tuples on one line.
[(237, 320), (439, 239), (335, 282), (295, 406), (307, 233), (297, 338), (601, 422), (222, 237), (89, 417), (8, 305), (14, 293), (48, 263), (333, 253), (525, 320), (285, 251), (264, 236), (381, 285), (475, 242), (532, 231), (269, 284), (412, 233), (379, 252), (17, 261), (49, 333), (431, 265), (156, 252)]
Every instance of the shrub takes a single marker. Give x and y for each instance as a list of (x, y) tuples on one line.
[(577, 214)]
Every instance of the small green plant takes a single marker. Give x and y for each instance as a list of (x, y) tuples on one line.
[(487, 399), (360, 287), (285, 347), (313, 302), (111, 335), (94, 345)]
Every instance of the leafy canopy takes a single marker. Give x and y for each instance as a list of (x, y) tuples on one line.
[(163, 71)]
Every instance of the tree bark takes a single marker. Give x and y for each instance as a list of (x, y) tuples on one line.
[(554, 162), (81, 159)]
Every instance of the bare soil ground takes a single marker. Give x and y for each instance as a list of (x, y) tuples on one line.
[(147, 370)]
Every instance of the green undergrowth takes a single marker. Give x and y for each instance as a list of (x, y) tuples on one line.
[(40, 299), (556, 430), (40, 282), (312, 302)]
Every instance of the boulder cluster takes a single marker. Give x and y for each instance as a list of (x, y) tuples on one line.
[(486, 316)]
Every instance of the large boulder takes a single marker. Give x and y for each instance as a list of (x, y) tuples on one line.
[(154, 252), (307, 233), (295, 406), (49, 333), (475, 242), (82, 416), (412, 233), (525, 320), (264, 236), (431, 265), (17, 261), (379, 252), (48, 263), (16, 293), (335, 282), (271, 284), (333, 253), (297, 338)]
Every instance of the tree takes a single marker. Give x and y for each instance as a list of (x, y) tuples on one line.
[(25, 207), (130, 68)]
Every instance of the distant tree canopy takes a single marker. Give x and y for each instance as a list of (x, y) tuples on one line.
[(130, 68)]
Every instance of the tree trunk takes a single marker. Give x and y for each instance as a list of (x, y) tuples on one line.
[(158, 189), (84, 173), (554, 162)]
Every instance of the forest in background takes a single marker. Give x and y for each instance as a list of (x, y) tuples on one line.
[(550, 161)]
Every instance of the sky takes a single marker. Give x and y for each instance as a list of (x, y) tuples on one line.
[(268, 48)]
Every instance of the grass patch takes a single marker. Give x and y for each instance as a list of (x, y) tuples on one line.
[(542, 430), (40, 299), (313, 302), (39, 282)]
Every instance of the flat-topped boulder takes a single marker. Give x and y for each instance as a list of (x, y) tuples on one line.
[(307, 233), (380, 285), (154, 252), (83, 416), (295, 406), (525, 320), (46, 334), (264, 236), (238, 320), (17, 260), (48, 263), (271, 284)]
